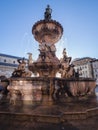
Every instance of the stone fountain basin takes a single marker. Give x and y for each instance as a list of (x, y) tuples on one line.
[(32, 89), (41, 108), (50, 31)]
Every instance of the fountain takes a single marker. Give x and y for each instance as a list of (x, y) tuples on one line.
[(46, 89), (48, 32)]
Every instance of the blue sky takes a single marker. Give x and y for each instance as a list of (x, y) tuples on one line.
[(79, 19)]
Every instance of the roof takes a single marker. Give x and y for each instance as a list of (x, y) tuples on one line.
[(78, 59), (82, 61), (8, 64), (10, 56), (95, 60)]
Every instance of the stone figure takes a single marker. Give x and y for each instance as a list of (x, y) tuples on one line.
[(64, 53), (63, 69), (22, 64), (53, 49), (80, 88), (47, 51), (42, 50), (56, 89), (30, 61), (47, 14), (70, 72), (42, 46), (14, 95), (21, 70), (66, 69)]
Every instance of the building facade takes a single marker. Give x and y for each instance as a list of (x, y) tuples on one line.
[(84, 67), (95, 68), (7, 64)]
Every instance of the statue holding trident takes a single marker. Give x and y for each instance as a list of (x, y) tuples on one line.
[(47, 14)]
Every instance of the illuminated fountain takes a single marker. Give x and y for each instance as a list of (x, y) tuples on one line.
[(46, 87)]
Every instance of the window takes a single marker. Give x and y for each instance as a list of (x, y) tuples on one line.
[(85, 72), (4, 60), (14, 62), (95, 70), (80, 68)]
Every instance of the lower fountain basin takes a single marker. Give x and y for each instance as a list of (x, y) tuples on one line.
[(37, 89)]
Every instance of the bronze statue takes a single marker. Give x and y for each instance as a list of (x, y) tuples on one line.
[(47, 14)]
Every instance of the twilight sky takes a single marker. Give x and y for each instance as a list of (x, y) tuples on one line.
[(79, 19)]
